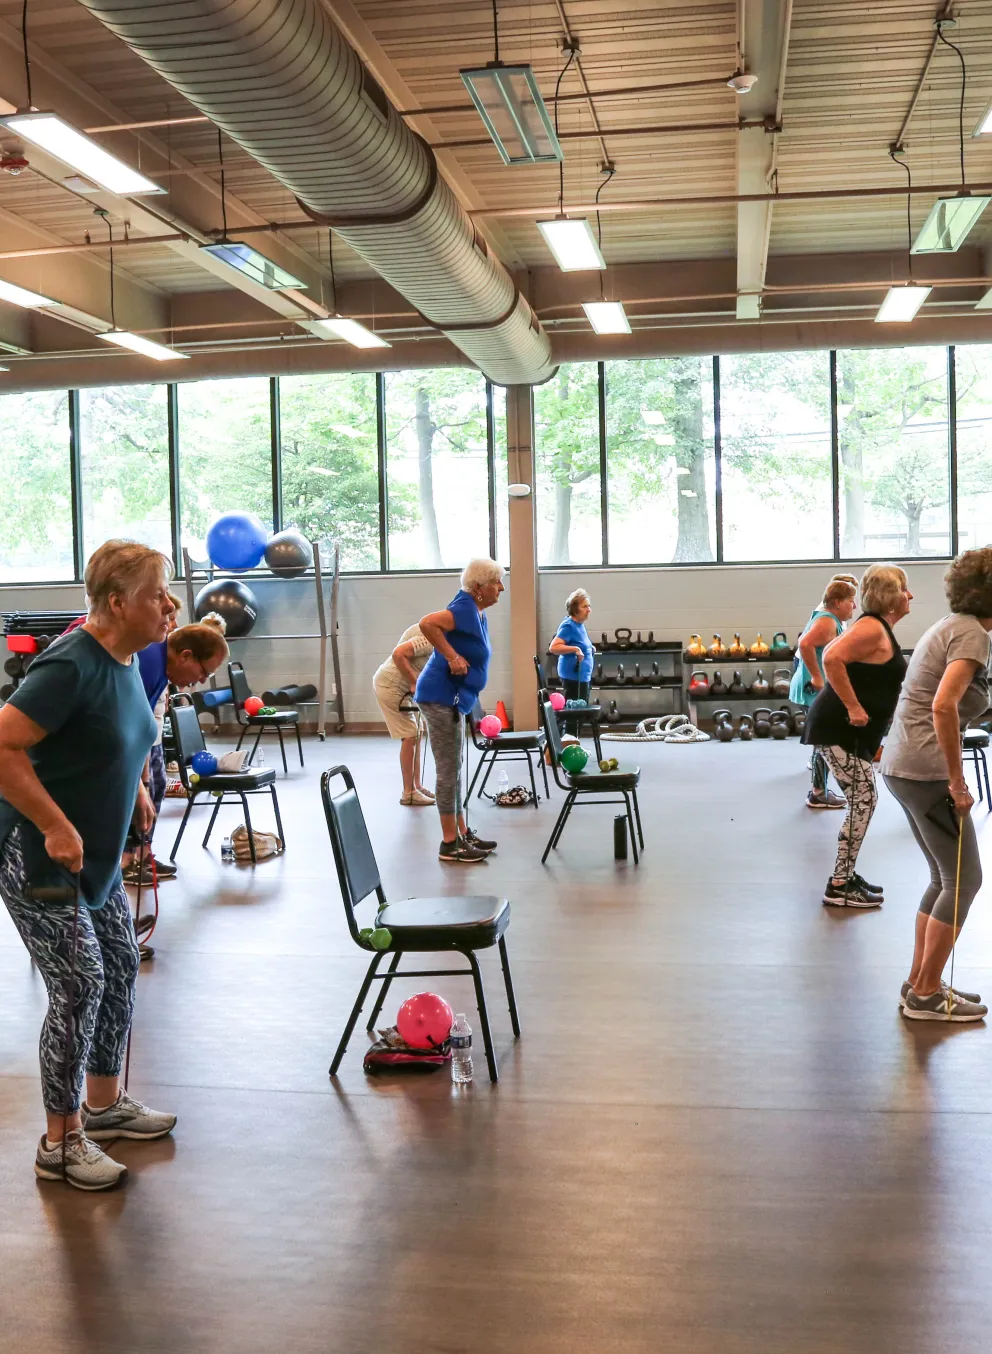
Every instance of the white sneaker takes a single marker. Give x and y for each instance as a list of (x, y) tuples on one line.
[(86, 1165), (126, 1118)]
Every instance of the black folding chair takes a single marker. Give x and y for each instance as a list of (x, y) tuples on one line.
[(973, 745), (189, 740), (507, 747), (573, 719), (619, 785), (417, 925), (282, 719)]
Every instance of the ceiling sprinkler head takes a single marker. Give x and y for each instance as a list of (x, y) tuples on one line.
[(11, 163), (742, 82)]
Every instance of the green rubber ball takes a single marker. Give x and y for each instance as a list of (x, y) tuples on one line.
[(574, 758)]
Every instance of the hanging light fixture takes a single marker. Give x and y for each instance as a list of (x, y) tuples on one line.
[(124, 338), (241, 257), (510, 104), (607, 317), (902, 303), (338, 325), (52, 133)]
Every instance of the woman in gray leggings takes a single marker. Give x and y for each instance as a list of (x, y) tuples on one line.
[(946, 687)]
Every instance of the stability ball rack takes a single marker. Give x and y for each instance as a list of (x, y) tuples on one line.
[(324, 632)]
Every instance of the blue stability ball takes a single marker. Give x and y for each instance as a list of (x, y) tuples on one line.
[(204, 763), (236, 541)]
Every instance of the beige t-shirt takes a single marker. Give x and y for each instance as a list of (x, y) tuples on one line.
[(388, 674), (911, 748)]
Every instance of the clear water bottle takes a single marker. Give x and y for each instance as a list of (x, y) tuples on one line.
[(504, 783), (227, 852), (461, 1050), (258, 761)]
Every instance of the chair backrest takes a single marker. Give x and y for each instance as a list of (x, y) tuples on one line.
[(542, 678), (553, 734), (475, 718), (358, 873), (186, 733), (240, 690)]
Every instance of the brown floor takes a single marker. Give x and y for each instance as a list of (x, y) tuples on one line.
[(716, 1135)]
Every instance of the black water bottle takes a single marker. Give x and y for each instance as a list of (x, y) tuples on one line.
[(620, 837)]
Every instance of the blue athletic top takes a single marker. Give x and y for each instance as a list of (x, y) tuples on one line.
[(801, 691), (436, 685), (152, 666), (571, 668), (99, 729)]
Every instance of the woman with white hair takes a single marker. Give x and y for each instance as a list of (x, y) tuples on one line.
[(74, 738), (864, 670), (573, 647), (448, 689)]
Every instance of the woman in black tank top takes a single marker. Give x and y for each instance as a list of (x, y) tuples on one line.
[(864, 669)]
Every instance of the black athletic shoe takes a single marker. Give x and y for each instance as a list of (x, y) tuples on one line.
[(849, 895), (474, 840), (868, 888), (460, 852)]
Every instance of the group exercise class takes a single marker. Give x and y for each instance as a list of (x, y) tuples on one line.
[(496, 621)]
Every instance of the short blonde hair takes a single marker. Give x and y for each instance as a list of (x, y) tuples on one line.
[(880, 586), (479, 571), (575, 599), (119, 568), (839, 590)]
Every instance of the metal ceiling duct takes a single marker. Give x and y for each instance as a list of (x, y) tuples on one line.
[(281, 80)]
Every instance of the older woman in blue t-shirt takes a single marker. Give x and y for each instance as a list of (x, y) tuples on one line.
[(573, 647), (447, 690)]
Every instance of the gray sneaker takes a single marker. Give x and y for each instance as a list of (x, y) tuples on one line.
[(943, 1005), (128, 1118), (973, 997), (825, 801), (86, 1166)]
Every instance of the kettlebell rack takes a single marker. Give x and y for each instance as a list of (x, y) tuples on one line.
[(726, 666), (327, 631), (613, 660)]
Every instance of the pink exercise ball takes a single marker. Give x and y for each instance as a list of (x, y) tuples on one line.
[(425, 1020), (557, 700), (490, 727)]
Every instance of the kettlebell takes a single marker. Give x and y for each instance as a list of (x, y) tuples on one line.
[(637, 679), (718, 649), (799, 720), (605, 642), (718, 687), (699, 684), (650, 640), (786, 714), (781, 682), (723, 725), (623, 634), (746, 728), (759, 648), (613, 714), (780, 728), (780, 645), (655, 674), (762, 723), (599, 675), (695, 648), (621, 676), (760, 686), (737, 687), (737, 649), (638, 642)]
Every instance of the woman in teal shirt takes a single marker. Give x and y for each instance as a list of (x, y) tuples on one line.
[(823, 626)]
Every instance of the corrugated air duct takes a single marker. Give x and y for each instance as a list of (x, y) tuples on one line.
[(280, 79)]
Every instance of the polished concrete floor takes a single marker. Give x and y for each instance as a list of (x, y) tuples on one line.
[(715, 1136)]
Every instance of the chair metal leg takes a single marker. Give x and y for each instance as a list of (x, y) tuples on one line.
[(485, 778), (559, 824), (637, 815), (182, 826), (258, 739), (478, 768), (213, 818), (251, 837), (533, 782), (383, 989), (244, 730), (569, 805), (595, 739), (630, 824), (511, 1001), (299, 741), (282, 749), (985, 774), (275, 809), (356, 1011), (544, 773), (480, 1001)]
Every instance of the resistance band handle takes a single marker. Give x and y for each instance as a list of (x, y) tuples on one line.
[(51, 894)]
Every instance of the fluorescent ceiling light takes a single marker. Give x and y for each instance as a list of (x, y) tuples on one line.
[(138, 344), (350, 330), (984, 127), (511, 106), (252, 264), (52, 134), (18, 296), (901, 304), (572, 242), (948, 224), (607, 317)]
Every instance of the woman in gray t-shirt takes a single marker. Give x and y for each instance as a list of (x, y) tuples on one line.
[(946, 687)]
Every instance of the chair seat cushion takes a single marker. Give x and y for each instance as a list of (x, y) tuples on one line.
[(530, 738), (238, 780), (440, 923), (623, 778), (582, 712), (975, 738), (280, 717)]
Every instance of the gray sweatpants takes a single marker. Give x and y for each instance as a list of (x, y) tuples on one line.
[(447, 734), (939, 843)]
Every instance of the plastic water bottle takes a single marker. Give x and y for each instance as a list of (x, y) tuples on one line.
[(258, 761), (504, 783), (461, 1050), (227, 852)]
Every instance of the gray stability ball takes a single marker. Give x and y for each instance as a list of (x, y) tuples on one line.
[(289, 554)]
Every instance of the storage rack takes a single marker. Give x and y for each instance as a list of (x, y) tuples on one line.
[(726, 668), (666, 653), (326, 632)]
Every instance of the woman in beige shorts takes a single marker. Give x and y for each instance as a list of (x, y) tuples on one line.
[(394, 684)]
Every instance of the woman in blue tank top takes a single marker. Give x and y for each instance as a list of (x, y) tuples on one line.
[(447, 691), (824, 625)]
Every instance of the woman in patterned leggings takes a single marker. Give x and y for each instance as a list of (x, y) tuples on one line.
[(73, 740), (864, 671)]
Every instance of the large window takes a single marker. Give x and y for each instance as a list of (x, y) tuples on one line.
[(501, 475), (973, 380), (225, 454), (894, 452), (437, 468), (567, 465), (660, 460), (330, 474), (36, 540), (124, 465), (775, 443)]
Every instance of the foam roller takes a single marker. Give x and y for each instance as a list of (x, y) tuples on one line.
[(222, 696), (289, 695)]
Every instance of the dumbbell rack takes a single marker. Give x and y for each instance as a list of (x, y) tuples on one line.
[(666, 653), (726, 668)]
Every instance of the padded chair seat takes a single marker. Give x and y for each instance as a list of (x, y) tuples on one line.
[(975, 738), (238, 780), (280, 717), (623, 778), (440, 923), (583, 711), (517, 742)]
